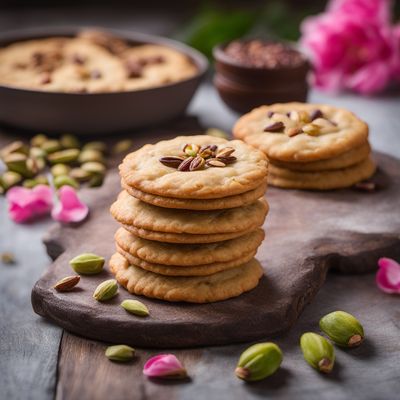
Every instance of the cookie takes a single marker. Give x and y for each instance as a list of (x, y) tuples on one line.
[(186, 238), (345, 160), (128, 210), (324, 180), (188, 254), (194, 204), (332, 131), (174, 270), (196, 289), (143, 170)]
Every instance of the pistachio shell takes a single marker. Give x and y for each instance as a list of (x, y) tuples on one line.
[(87, 264), (69, 141), (60, 169), (342, 328), (121, 353), (17, 162), (123, 146), (135, 307), (37, 152), (317, 351), (30, 183), (91, 155), (106, 290), (79, 174), (259, 361), (51, 146), (96, 180), (94, 167), (14, 147), (63, 180), (100, 146), (9, 179), (64, 156), (38, 140)]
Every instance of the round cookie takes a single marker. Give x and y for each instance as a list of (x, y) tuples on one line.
[(339, 131), (188, 254), (237, 200), (345, 160), (143, 171), (187, 238), (128, 210), (196, 289), (324, 180), (174, 270)]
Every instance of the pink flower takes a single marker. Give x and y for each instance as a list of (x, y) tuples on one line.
[(351, 45), (164, 366), (26, 204), (69, 208), (388, 275)]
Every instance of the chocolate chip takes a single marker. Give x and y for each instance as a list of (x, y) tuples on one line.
[(270, 114), (275, 127), (78, 59), (133, 69)]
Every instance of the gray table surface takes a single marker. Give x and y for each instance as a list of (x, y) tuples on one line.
[(29, 345)]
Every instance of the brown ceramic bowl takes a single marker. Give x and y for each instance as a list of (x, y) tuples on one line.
[(243, 88), (97, 113)]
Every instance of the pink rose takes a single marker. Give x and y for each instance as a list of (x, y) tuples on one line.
[(352, 46)]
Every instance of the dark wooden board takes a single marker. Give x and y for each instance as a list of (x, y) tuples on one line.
[(307, 233)]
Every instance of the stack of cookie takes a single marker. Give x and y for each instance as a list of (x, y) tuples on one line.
[(191, 212), (309, 146)]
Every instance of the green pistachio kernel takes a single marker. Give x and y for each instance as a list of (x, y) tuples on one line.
[(63, 156), (69, 141), (60, 169), (259, 361), (135, 307), (65, 180), (317, 351), (91, 155), (120, 353), (99, 146), (87, 264), (106, 290)]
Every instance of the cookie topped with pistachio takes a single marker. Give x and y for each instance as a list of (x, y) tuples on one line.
[(195, 167), (301, 132)]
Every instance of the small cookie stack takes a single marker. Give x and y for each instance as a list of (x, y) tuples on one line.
[(191, 212), (309, 146)]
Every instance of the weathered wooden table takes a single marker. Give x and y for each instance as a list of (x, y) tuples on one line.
[(40, 361)]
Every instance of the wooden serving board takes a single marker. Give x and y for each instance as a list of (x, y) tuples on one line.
[(307, 233)]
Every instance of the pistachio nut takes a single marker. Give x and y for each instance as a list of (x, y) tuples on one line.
[(259, 361), (63, 156), (17, 162), (96, 180), (63, 180), (123, 146), (94, 167), (67, 283), (87, 264), (37, 152), (135, 307), (311, 129), (106, 290), (9, 179), (60, 169), (121, 353), (79, 174), (29, 183), (38, 140), (51, 146), (216, 133), (41, 180), (14, 147), (191, 150), (99, 146), (69, 141), (317, 351), (91, 155), (7, 258), (35, 165), (342, 328)]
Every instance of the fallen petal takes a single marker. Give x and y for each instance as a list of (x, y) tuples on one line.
[(388, 275), (69, 208), (26, 204), (164, 366)]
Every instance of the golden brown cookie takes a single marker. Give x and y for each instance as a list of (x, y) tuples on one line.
[(272, 129), (128, 210), (324, 180), (237, 200), (345, 160), (196, 289), (174, 270), (188, 254), (187, 238), (143, 170)]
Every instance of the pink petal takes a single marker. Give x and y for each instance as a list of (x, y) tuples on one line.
[(388, 275), (69, 208), (25, 204), (164, 365)]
